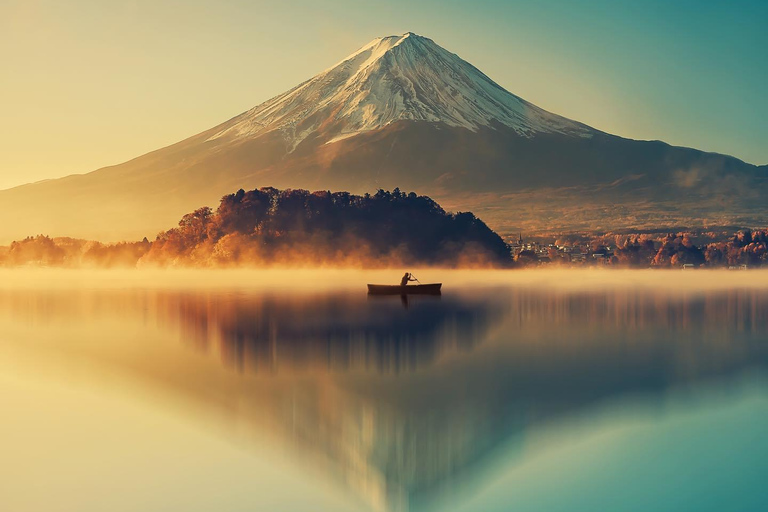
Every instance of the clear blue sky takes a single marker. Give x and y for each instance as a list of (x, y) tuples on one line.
[(88, 83)]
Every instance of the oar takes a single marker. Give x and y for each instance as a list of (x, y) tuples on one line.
[(416, 278)]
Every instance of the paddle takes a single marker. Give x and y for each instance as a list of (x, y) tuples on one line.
[(416, 278)]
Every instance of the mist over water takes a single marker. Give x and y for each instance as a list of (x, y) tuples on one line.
[(294, 390)]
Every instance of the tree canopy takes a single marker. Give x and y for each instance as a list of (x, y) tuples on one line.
[(315, 228)]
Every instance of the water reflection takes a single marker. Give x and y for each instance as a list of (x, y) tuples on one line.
[(406, 405), (338, 331)]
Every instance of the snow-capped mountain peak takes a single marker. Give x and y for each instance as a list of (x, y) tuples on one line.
[(390, 79)]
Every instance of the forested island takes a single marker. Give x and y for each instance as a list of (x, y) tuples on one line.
[(268, 227)]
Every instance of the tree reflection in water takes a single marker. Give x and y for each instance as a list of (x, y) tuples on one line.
[(439, 386), (407, 405)]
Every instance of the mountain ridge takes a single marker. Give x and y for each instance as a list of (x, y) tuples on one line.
[(403, 112)]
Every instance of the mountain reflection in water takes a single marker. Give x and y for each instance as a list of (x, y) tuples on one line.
[(407, 405)]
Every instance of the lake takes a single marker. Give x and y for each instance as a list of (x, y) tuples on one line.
[(295, 391)]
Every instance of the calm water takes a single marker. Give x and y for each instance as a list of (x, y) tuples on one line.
[(586, 391)]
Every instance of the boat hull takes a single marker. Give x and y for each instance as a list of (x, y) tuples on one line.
[(414, 289)]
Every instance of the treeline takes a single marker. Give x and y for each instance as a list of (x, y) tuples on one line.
[(293, 227), (268, 226), (298, 227), (746, 247), (72, 253)]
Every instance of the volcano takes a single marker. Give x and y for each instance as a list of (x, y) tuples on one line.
[(404, 112)]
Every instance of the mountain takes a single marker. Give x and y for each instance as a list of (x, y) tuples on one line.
[(403, 112), (391, 79)]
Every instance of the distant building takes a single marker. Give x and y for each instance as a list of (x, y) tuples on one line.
[(517, 245)]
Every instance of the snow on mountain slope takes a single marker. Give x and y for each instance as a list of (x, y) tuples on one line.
[(391, 79)]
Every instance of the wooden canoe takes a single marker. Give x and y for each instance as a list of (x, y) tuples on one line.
[(411, 289)]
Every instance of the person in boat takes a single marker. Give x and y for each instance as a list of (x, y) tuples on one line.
[(407, 277)]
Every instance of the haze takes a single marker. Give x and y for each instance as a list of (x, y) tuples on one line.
[(287, 280)]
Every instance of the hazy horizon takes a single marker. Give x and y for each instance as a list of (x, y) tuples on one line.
[(94, 85)]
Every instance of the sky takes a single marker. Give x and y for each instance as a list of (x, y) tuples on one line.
[(87, 83)]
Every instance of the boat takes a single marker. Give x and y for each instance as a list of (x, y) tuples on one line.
[(410, 289)]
